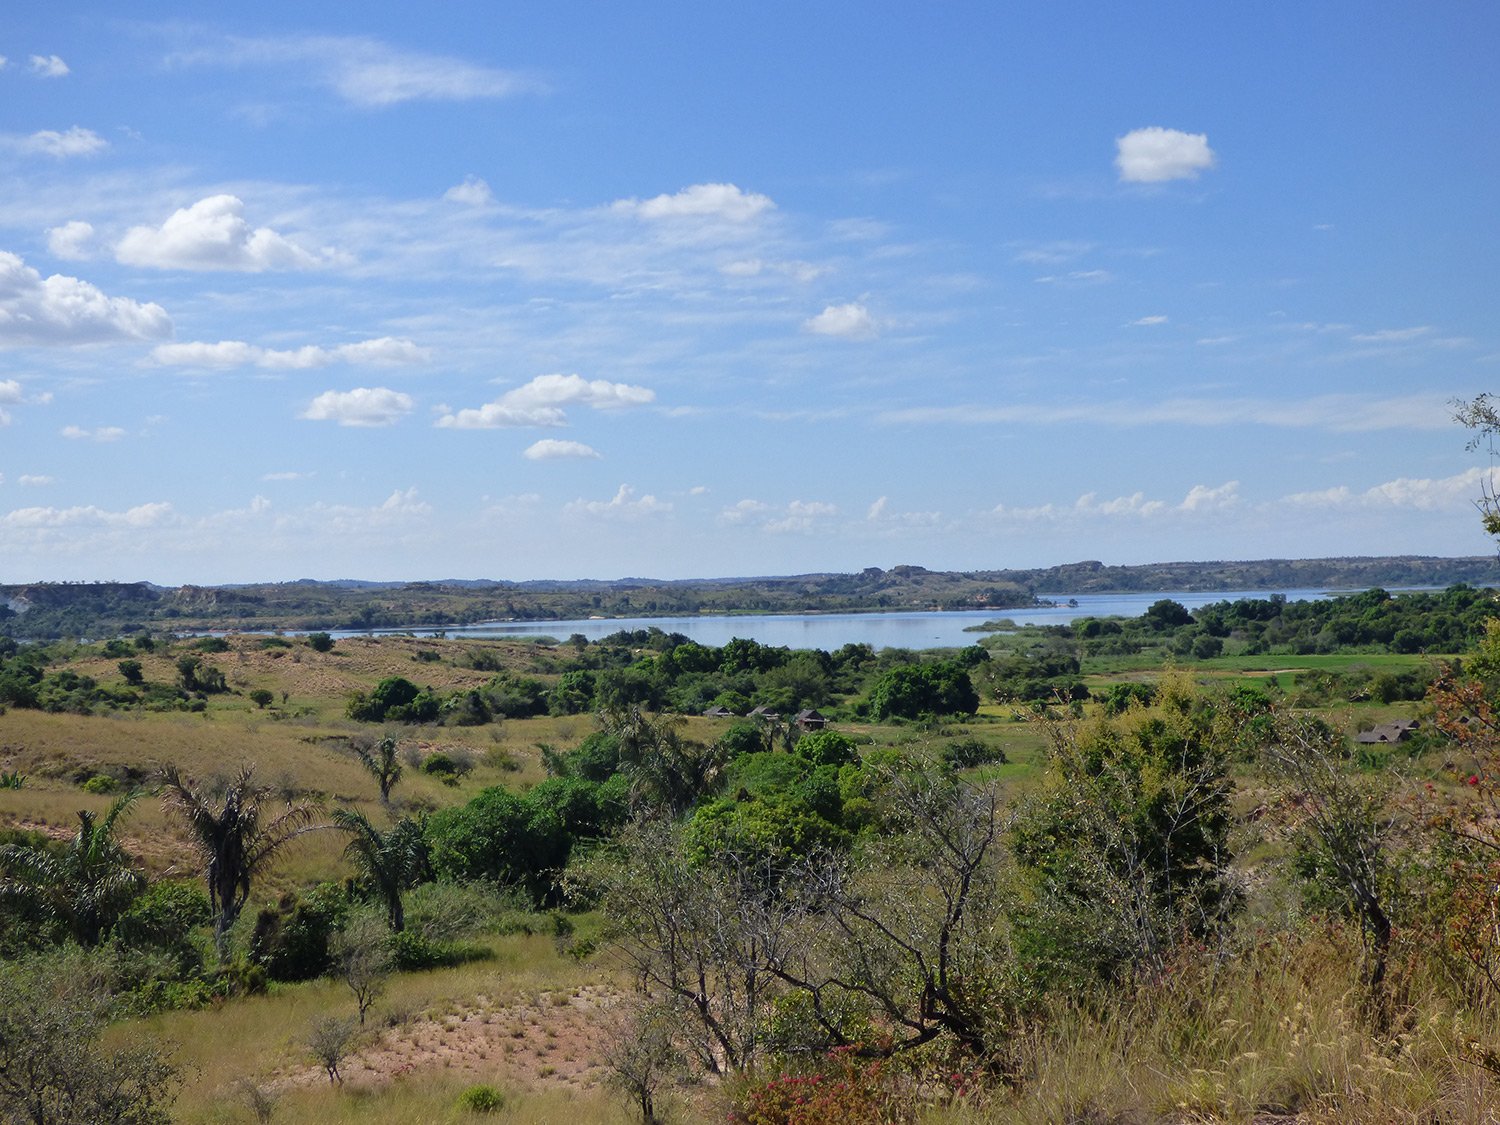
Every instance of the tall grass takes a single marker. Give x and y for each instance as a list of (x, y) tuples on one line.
[(1277, 1030)]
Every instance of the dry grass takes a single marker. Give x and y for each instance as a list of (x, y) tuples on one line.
[(1274, 1035), (431, 1035)]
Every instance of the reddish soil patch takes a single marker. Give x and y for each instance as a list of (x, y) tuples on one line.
[(555, 1039)]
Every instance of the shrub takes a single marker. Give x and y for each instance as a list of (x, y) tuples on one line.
[(481, 1098), (845, 1091), (100, 783), (319, 642), (966, 753), (291, 940)]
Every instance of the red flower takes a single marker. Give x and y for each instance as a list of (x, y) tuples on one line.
[(1473, 779)]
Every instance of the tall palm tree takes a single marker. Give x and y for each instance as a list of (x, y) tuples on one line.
[(235, 841), (390, 862), (85, 885)]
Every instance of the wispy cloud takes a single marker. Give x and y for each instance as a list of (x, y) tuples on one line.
[(624, 504), (1341, 413), (365, 72), (48, 66), (76, 141), (1200, 499), (100, 433), (796, 516), (142, 515), (540, 403), (384, 351)]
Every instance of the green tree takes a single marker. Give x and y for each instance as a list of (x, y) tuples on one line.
[(235, 838), (86, 884), (909, 691), (1126, 847)]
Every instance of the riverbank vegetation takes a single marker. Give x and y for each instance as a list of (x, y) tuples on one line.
[(52, 611), (1101, 873)]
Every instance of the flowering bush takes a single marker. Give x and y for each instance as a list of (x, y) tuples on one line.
[(847, 1091)]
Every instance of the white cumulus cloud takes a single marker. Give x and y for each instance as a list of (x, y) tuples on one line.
[(1155, 155), (48, 66), (70, 240), (1202, 498), (473, 192), (33, 480), (849, 322), (550, 449), (541, 401), (701, 201), (363, 406), (65, 310), (212, 234)]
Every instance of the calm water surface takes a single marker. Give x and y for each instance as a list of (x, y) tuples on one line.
[(829, 631)]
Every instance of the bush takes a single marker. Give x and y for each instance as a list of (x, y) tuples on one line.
[(291, 940), (844, 1091), (966, 753), (481, 1098), (164, 919), (319, 642), (499, 837)]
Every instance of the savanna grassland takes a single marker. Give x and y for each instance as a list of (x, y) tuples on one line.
[(1122, 871)]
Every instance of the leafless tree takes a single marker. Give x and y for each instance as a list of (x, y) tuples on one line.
[(698, 938), (329, 1039), (362, 958), (1350, 826)]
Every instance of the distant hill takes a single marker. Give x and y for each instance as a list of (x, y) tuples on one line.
[(95, 609)]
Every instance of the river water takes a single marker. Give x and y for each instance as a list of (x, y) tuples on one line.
[(829, 631)]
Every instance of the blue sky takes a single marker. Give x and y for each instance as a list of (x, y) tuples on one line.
[(685, 289)]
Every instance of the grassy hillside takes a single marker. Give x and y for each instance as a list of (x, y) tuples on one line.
[(1264, 1018)]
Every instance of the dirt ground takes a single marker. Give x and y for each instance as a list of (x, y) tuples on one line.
[(549, 1039)]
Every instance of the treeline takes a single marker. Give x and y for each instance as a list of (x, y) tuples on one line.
[(56, 610), (660, 671), (1449, 621)]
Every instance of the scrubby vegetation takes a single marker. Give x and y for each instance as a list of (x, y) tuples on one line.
[(1099, 873)]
